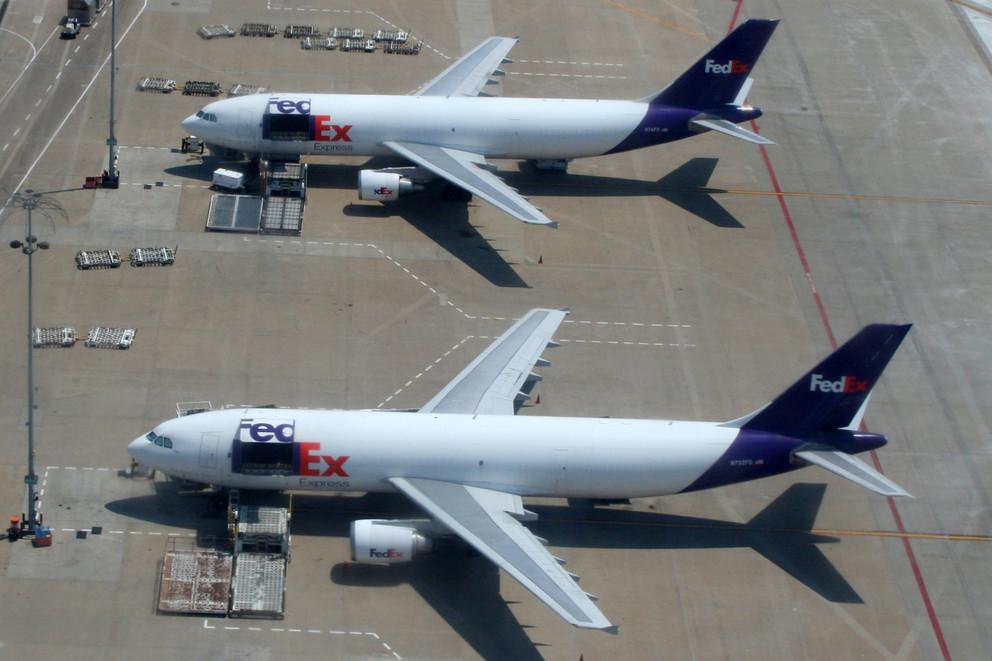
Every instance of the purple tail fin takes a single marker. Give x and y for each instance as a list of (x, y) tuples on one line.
[(829, 396), (719, 75)]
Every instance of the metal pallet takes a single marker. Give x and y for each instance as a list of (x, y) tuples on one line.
[(97, 259), (192, 408), (282, 215), (156, 84), (318, 43), (262, 530), (258, 30), (214, 31), (101, 337), (153, 257), (400, 48), (201, 88), (195, 582), (55, 336), (358, 45), (300, 31), (346, 33), (259, 586), (397, 36), (244, 89)]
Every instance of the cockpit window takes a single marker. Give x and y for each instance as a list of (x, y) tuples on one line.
[(209, 116), (161, 441)]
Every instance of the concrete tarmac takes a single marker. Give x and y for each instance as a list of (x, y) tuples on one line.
[(703, 277)]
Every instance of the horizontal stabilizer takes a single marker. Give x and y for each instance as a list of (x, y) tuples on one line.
[(851, 468), (733, 130)]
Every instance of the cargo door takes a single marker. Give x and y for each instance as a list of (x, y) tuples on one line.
[(208, 449)]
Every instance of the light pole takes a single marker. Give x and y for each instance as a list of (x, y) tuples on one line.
[(31, 201), (112, 180)]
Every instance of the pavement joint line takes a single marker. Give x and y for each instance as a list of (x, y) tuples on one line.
[(425, 370), (72, 109), (456, 307)]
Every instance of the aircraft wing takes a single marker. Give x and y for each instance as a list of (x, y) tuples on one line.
[(469, 171), (489, 521), (491, 383), (470, 73)]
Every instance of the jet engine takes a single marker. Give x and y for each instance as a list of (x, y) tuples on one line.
[(387, 542), (383, 186)]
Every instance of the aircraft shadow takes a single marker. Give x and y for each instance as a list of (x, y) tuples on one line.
[(686, 187), (178, 505), (463, 587), (445, 222), (782, 533)]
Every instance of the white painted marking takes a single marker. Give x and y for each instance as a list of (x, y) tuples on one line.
[(70, 468), (207, 626), (38, 102), (67, 62), (116, 532), (6, 144), (86, 36), (75, 105), (314, 631), (232, 628), (58, 75), (254, 628), (16, 131), (77, 49)]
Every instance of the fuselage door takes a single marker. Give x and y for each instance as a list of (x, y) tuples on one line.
[(208, 449)]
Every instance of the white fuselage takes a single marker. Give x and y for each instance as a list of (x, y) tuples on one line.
[(526, 455), (522, 128)]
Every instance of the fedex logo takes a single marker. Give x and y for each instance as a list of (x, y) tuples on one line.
[(289, 107), (845, 384), (383, 190), (388, 553), (309, 454), (322, 129), (270, 430), (733, 66)]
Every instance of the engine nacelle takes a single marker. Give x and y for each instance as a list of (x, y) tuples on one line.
[(384, 186), (387, 542)]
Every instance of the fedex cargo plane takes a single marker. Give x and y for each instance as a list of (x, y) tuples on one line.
[(447, 132), (467, 460)]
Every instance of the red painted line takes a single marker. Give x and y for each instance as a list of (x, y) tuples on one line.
[(735, 16), (921, 585)]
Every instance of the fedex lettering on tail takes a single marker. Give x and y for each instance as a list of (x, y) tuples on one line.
[(733, 66), (845, 384)]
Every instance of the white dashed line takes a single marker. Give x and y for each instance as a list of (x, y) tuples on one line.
[(16, 131), (67, 62), (6, 144), (86, 36)]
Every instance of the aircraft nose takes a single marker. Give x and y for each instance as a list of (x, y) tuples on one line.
[(189, 123), (136, 448)]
